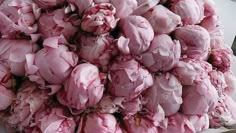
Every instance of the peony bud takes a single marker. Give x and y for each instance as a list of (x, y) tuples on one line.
[(194, 40), (221, 58), (144, 6), (99, 19), (230, 80), (138, 34), (102, 123), (190, 11), (97, 49), (53, 120), (84, 87), (49, 3), (190, 71), (167, 92), (13, 53), (163, 54), (139, 124), (128, 79), (29, 100), (163, 21), (42, 66), (200, 122), (200, 98), (6, 97), (58, 23), (178, 123)]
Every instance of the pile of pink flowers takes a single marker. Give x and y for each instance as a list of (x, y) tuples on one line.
[(114, 66)]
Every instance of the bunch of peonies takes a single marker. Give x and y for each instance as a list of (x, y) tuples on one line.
[(114, 66)]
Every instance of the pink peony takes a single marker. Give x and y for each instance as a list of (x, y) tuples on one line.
[(213, 26), (13, 53), (162, 19), (194, 40), (167, 92), (53, 120), (82, 5), (231, 105), (101, 123), (49, 3), (20, 15), (84, 87), (56, 23), (200, 122), (190, 11), (139, 124), (131, 107), (200, 98), (29, 100), (6, 78), (124, 8), (128, 79), (97, 49), (209, 7), (6, 97), (221, 58), (230, 80), (190, 71), (178, 123), (144, 6), (220, 116), (163, 54), (218, 81), (40, 66), (138, 34), (99, 19)]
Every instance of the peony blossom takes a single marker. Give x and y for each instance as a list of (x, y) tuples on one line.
[(178, 123), (56, 119), (6, 78), (194, 40), (163, 21), (139, 124), (84, 87), (163, 54), (99, 19), (220, 116), (49, 3), (138, 34), (167, 92), (6, 97), (128, 79), (200, 122), (56, 23), (29, 99), (101, 123), (218, 81), (190, 11), (230, 80), (190, 71), (40, 66), (144, 6), (97, 49), (200, 98), (221, 58), (19, 15), (13, 53)]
